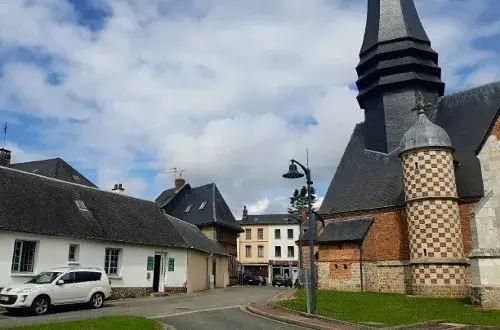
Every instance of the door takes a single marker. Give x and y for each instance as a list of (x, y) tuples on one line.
[(66, 293), (214, 271), (286, 272), (156, 273), (85, 283)]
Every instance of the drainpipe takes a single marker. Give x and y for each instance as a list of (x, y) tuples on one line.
[(361, 265)]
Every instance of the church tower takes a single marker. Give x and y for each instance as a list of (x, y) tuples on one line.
[(436, 244), (396, 62)]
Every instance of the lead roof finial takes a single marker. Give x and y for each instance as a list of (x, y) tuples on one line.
[(420, 105)]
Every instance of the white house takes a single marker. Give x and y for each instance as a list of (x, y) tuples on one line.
[(283, 252), (47, 223)]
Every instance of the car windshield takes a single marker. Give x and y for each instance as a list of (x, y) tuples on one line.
[(44, 278)]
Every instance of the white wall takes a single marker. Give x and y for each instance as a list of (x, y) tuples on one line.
[(52, 251), (284, 242)]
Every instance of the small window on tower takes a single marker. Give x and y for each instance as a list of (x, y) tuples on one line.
[(188, 208), (202, 206), (416, 165)]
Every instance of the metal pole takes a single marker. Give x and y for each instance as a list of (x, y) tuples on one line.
[(312, 232)]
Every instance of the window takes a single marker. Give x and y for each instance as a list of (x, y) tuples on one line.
[(76, 178), (260, 251), (248, 251), (23, 258), (73, 253), (68, 278), (277, 234), (188, 208), (202, 206), (81, 205), (111, 261), (171, 264), (248, 234), (277, 251), (87, 277), (291, 252), (260, 233), (290, 233)]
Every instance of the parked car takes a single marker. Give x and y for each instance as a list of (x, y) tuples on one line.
[(280, 280), (249, 279), (59, 286)]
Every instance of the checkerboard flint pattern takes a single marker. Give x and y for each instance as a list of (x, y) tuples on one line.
[(438, 275), (434, 228), (429, 173)]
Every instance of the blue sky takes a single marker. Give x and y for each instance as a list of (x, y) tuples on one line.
[(227, 90)]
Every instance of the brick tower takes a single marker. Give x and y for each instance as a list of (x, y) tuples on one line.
[(436, 244)]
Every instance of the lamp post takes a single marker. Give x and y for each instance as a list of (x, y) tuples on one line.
[(293, 173)]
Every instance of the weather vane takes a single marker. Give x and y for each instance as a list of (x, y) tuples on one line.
[(420, 105), (178, 172), (4, 133)]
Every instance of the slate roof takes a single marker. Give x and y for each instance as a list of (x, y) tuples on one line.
[(215, 211), (54, 168), (367, 180), (195, 238), (32, 203), (271, 219), (346, 230)]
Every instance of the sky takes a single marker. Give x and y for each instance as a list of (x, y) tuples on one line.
[(227, 90)]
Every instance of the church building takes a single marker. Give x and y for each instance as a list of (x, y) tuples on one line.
[(414, 205)]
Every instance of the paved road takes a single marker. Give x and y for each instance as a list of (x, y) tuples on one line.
[(223, 319), (219, 309)]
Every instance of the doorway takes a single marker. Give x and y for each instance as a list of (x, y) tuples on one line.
[(214, 271), (156, 273)]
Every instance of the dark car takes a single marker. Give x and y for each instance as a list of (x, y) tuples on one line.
[(280, 280), (249, 279)]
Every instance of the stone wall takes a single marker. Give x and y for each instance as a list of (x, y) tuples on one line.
[(394, 276), (485, 228), (122, 293)]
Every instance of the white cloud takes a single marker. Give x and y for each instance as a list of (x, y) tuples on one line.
[(215, 96)]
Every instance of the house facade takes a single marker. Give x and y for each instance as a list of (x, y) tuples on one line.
[(47, 223), (421, 222), (267, 247), (205, 207)]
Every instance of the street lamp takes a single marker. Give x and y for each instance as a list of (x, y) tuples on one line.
[(293, 173)]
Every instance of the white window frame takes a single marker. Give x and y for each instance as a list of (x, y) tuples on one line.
[(292, 255), (76, 258), (248, 251), (276, 249), (112, 267), (248, 234), (260, 233), (277, 231), (17, 253)]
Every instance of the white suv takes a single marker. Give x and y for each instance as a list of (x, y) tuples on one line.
[(59, 286)]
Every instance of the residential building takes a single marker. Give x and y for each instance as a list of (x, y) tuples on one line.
[(47, 223), (280, 252), (413, 204), (205, 207)]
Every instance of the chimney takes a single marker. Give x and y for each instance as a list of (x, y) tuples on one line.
[(4, 157), (245, 212), (118, 188), (179, 182)]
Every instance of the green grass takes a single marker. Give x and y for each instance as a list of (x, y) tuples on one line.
[(112, 322), (387, 309)]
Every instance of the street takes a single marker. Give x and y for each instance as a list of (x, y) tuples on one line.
[(219, 309)]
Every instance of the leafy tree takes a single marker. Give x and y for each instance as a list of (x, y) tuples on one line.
[(299, 200)]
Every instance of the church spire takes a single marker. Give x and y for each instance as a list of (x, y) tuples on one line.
[(396, 62)]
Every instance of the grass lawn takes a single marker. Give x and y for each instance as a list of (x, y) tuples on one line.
[(387, 309), (112, 322)]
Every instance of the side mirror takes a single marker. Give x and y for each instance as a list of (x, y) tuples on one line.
[(60, 282)]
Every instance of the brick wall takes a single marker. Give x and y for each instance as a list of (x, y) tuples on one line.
[(496, 130)]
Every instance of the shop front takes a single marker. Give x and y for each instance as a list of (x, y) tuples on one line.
[(287, 268), (255, 269)]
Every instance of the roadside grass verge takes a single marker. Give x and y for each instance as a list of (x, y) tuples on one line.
[(387, 309), (111, 322)]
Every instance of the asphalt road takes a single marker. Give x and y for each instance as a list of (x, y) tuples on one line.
[(218, 309), (223, 319)]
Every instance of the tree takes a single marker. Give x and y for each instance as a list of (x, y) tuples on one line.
[(299, 200)]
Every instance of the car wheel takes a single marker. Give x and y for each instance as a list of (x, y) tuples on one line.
[(40, 305), (97, 300)]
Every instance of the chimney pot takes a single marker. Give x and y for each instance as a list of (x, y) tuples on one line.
[(245, 212)]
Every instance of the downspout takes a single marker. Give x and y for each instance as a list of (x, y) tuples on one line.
[(361, 265)]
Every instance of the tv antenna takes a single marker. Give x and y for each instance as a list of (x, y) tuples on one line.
[(177, 172), (5, 126)]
